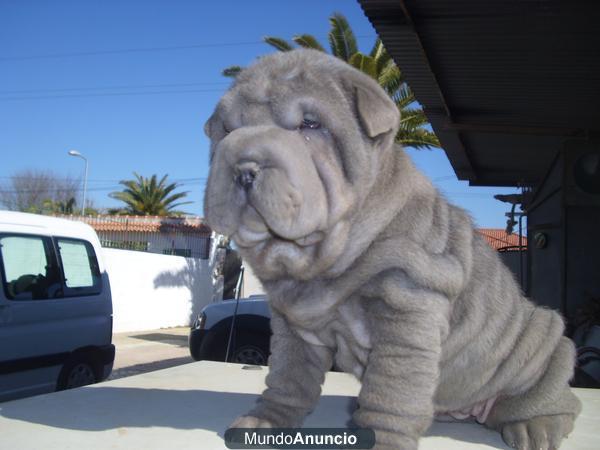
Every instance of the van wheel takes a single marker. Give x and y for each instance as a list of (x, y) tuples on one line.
[(77, 373)]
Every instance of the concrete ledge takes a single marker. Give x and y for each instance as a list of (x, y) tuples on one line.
[(190, 406)]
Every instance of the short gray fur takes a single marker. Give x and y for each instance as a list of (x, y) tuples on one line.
[(368, 267)]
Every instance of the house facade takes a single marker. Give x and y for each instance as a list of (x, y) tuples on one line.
[(180, 236)]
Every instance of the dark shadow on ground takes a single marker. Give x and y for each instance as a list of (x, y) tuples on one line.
[(477, 433), (115, 407), (100, 408), (138, 369), (166, 338)]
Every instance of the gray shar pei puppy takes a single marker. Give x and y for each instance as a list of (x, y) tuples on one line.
[(369, 268)]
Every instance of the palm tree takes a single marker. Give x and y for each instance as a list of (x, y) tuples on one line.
[(147, 196), (379, 65)]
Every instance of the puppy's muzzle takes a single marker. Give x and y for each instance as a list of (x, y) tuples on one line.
[(245, 174)]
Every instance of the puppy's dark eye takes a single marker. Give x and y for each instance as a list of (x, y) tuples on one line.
[(310, 122)]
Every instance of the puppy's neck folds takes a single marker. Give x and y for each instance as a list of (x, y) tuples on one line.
[(397, 181)]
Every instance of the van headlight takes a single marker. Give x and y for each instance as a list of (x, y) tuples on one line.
[(199, 322)]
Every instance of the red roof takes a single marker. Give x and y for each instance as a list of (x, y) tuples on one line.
[(146, 224), (499, 239)]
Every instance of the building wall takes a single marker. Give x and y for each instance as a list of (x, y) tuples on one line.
[(152, 291), (582, 271), (545, 216), (252, 285), (513, 261), (565, 273)]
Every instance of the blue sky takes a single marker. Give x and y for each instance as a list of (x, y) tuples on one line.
[(130, 83)]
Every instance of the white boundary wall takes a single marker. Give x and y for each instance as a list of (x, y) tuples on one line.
[(151, 291), (252, 285)]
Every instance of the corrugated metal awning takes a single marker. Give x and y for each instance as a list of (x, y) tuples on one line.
[(502, 83)]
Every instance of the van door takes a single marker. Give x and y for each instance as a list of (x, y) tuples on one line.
[(87, 302)]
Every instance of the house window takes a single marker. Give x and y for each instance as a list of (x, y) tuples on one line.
[(29, 268)]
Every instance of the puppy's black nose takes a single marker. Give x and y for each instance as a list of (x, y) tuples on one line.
[(246, 175)]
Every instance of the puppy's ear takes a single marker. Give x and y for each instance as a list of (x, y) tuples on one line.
[(377, 112)]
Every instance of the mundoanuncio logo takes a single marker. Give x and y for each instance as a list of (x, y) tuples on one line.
[(299, 438)]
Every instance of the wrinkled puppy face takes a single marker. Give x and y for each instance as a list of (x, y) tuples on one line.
[(295, 146)]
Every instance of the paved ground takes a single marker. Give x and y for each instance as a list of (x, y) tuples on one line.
[(145, 351)]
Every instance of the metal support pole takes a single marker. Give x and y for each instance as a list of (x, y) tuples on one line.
[(79, 155)]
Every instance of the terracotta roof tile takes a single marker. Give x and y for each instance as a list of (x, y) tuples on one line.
[(146, 224), (499, 239)]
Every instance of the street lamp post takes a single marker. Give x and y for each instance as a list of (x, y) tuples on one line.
[(79, 155)]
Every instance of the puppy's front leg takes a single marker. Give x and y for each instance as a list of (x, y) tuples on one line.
[(399, 383), (296, 373)]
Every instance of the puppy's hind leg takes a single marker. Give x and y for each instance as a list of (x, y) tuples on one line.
[(541, 417)]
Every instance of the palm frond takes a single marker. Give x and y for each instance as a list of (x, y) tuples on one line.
[(378, 64), (232, 71), (174, 198), (279, 43), (308, 41), (149, 196), (403, 97), (364, 63), (123, 196), (419, 138), (341, 38), (377, 48), (162, 181), (413, 118), (175, 205), (390, 78), (166, 190), (380, 55)]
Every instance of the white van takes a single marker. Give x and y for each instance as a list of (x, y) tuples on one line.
[(55, 306)]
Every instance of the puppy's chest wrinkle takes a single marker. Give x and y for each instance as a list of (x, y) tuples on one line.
[(346, 332)]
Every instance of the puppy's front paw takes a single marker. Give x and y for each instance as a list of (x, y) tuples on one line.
[(538, 433), (250, 422)]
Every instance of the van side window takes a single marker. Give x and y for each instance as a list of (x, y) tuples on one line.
[(30, 268), (80, 267)]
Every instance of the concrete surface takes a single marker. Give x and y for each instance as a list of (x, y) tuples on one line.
[(190, 406), (145, 351)]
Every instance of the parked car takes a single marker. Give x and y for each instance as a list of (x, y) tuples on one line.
[(249, 343), (55, 306)]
